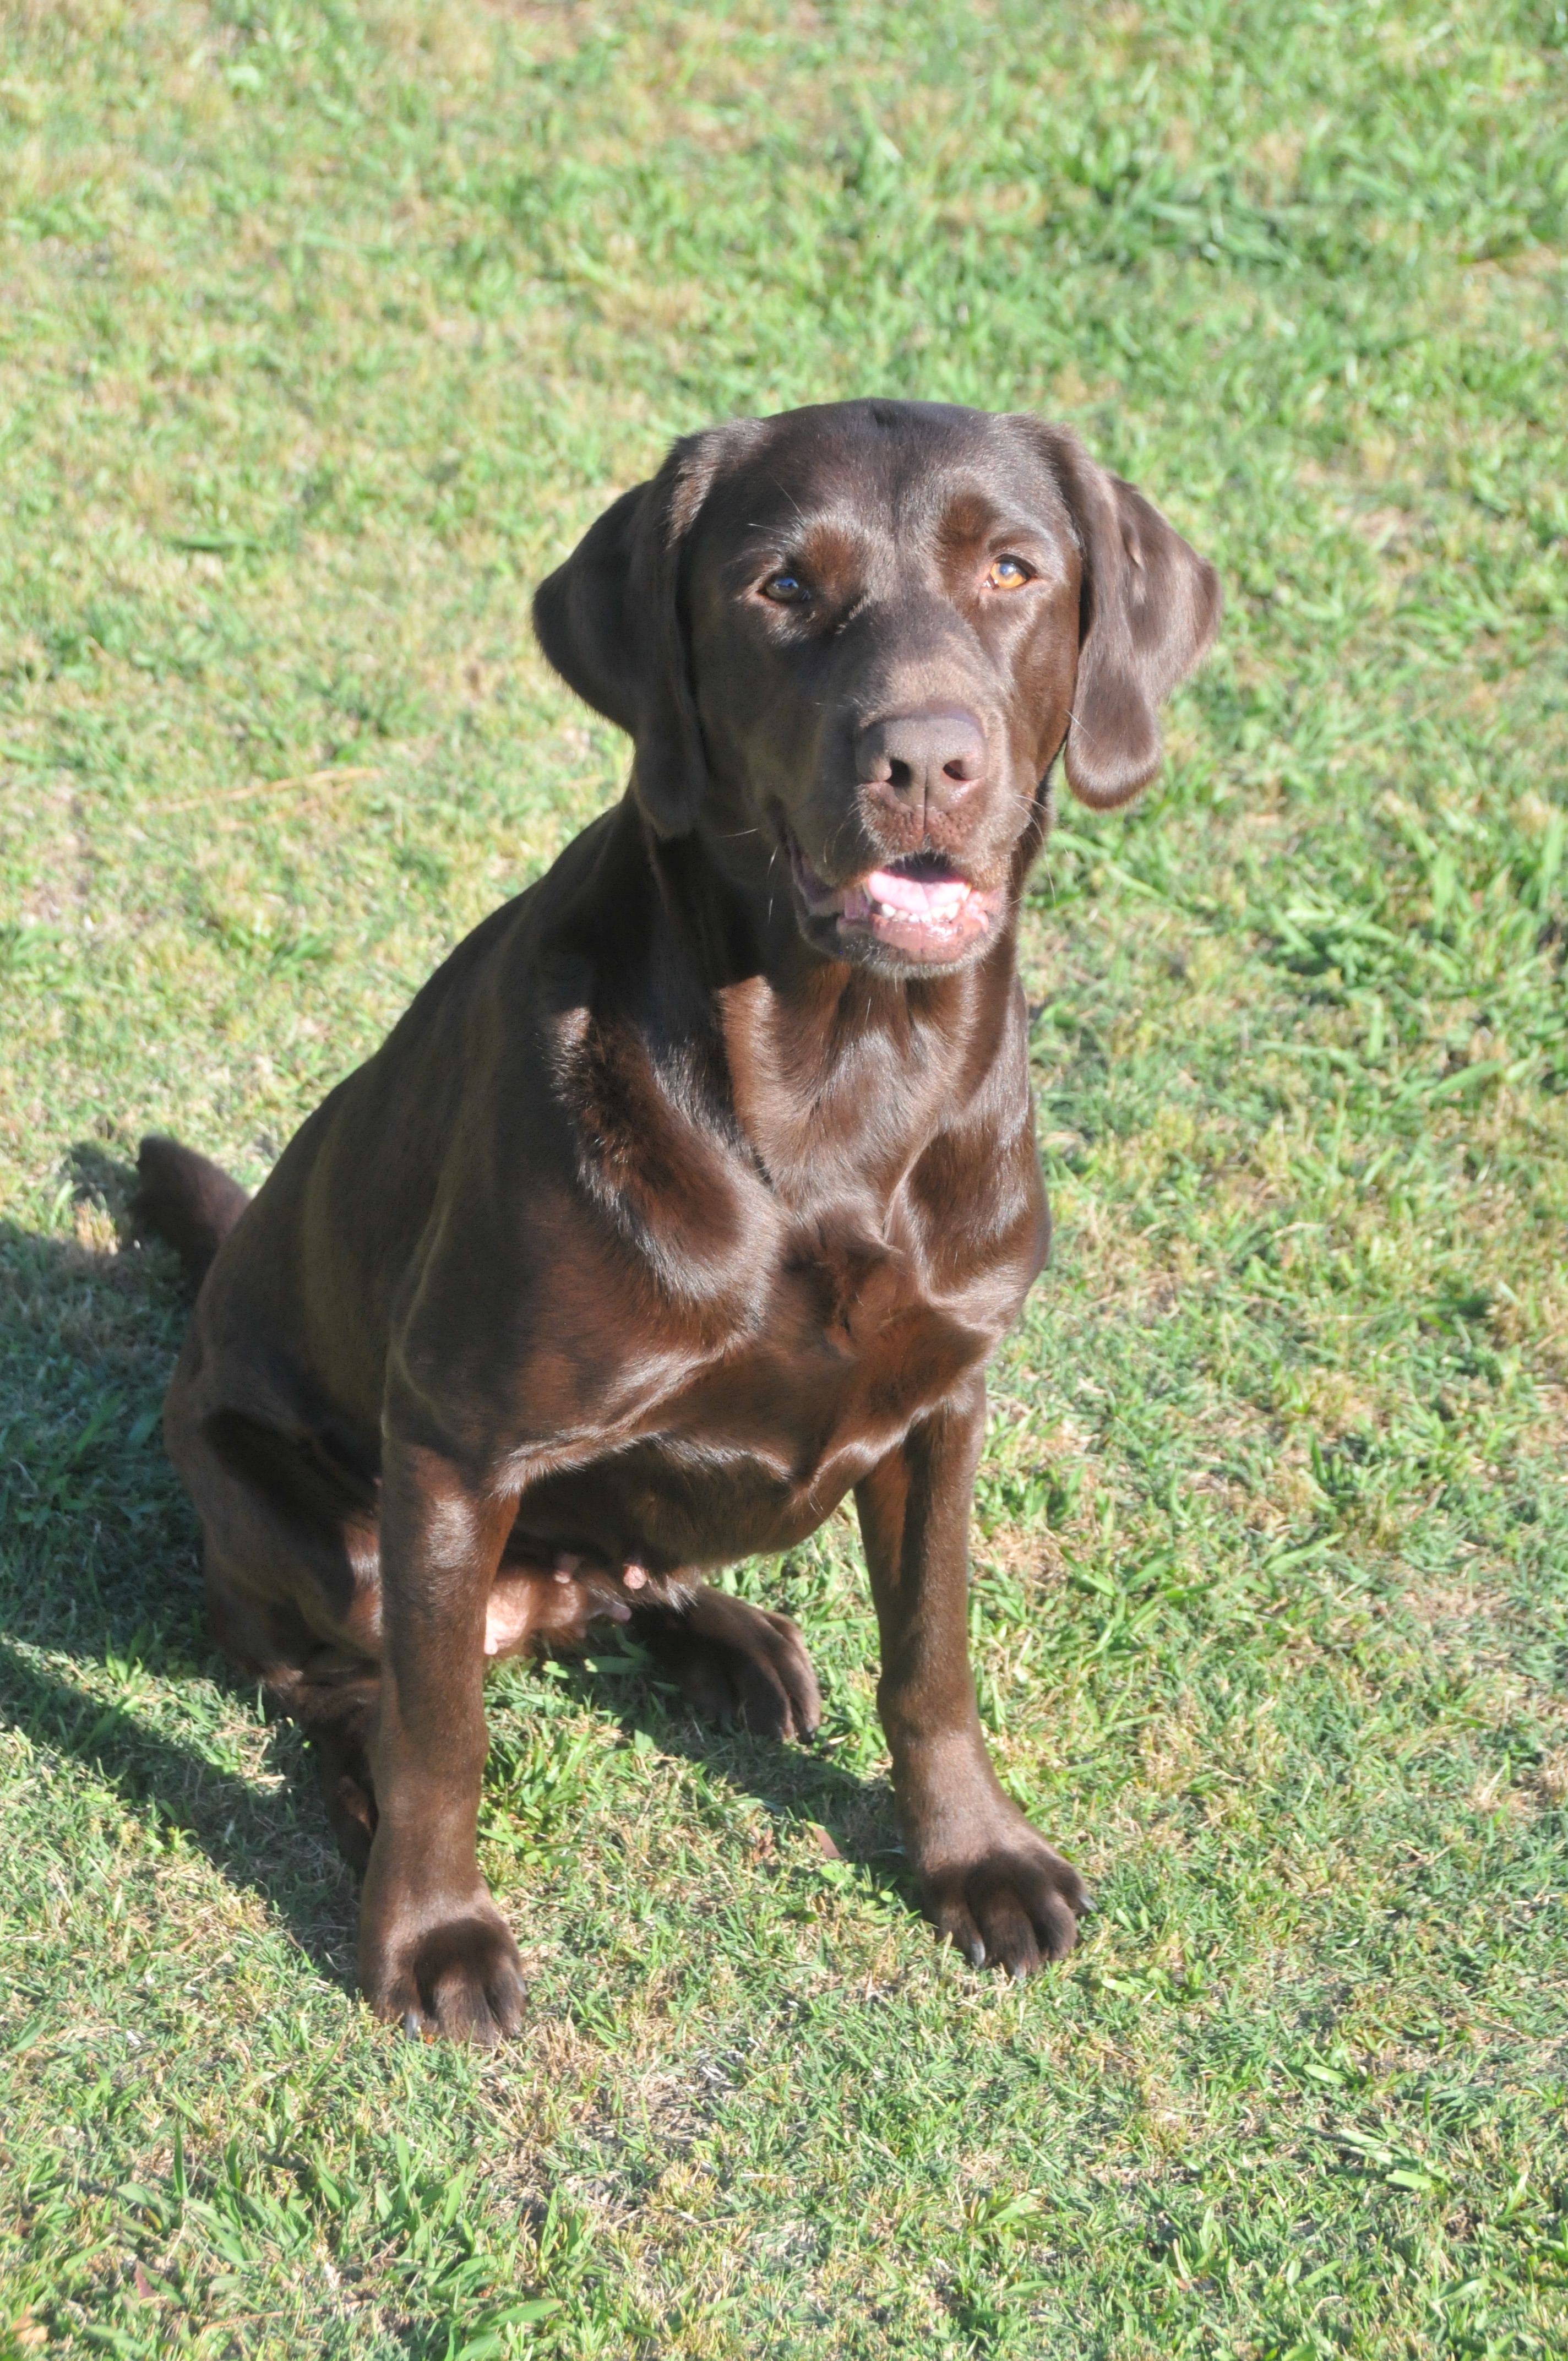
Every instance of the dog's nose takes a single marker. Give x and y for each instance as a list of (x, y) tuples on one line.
[(926, 759)]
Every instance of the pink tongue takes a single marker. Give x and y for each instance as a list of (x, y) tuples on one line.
[(921, 897)]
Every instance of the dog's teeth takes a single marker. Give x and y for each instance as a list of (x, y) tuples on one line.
[(934, 922)]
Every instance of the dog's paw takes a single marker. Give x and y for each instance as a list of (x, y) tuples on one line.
[(737, 1663), (1014, 1903), (459, 1979)]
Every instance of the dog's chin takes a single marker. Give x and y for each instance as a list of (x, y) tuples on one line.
[(914, 917)]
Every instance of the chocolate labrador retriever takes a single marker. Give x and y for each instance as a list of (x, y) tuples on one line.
[(697, 1188)]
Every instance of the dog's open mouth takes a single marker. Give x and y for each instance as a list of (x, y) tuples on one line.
[(921, 905)]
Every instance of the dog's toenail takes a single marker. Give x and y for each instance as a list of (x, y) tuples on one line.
[(634, 1577)]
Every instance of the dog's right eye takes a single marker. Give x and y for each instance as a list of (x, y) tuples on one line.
[(784, 588)]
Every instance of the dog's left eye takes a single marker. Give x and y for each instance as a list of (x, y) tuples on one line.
[(1008, 573), (785, 589)]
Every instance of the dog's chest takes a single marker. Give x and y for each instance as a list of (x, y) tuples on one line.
[(840, 1288), (854, 1348), (750, 1348), (752, 1444)]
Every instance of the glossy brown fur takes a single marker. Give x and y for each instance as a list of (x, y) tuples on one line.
[(668, 1215)]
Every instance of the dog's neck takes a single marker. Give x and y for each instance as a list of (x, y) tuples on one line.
[(827, 1064)]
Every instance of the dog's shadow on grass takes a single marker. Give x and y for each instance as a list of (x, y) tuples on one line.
[(853, 1816), (104, 1653), (98, 1565), (269, 1840)]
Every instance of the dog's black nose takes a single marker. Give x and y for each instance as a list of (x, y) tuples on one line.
[(926, 759)]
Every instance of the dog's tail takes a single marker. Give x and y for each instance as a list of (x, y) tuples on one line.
[(187, 1200)]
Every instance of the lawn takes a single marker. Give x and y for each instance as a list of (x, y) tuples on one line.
[(323, 331)]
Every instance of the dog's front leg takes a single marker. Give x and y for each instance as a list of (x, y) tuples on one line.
[(990, 1884), (435, 1953)]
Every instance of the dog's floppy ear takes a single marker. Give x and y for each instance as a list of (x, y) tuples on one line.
[(1148, 608), (612, 622)]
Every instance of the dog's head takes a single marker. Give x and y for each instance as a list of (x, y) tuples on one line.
[(852, 640)]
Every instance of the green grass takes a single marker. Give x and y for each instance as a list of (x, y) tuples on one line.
[(323, 330)]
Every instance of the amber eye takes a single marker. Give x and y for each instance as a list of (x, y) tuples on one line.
[(1008, 573), (785, 589)]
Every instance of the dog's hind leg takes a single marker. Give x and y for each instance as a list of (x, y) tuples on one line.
[(329, 1690), (292, 1581), (333, 1697)]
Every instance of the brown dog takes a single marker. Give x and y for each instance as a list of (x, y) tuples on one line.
[(697, 1188)]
